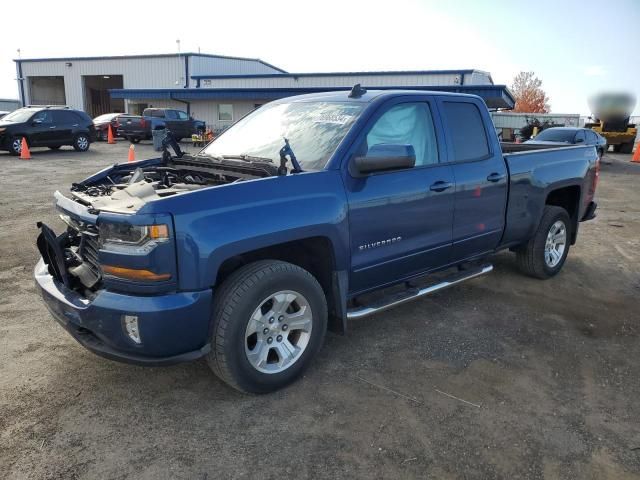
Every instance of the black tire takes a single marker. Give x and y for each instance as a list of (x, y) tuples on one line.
[(55, 147), (236, 301), (134, 139), (531, 256), (626, 147), (15, 145), (81, 142)]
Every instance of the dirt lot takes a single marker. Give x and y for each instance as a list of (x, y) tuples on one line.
[(502, 377)]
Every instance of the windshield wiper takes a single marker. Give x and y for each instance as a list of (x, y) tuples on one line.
[(284, 151), (247, 158)]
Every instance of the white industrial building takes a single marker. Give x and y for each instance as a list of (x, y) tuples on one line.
[(9, 104), (215, 88)]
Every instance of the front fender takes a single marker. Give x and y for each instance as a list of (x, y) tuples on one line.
[(218, 223)]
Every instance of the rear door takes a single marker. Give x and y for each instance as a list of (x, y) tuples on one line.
[(173, 123), (186, 124), (480, 174), (400, 221), (66, 123)]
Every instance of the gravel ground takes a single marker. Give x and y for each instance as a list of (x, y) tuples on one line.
[(501, 377)]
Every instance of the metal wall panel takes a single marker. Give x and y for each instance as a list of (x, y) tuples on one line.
[(334, 81), (202, 65), (8, 105), (159, 72), (519, 120)]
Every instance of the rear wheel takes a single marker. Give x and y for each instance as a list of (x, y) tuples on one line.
[(134, 139), (81, 143), (544, 255), (268, 323)]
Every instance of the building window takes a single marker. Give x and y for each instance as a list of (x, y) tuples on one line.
[(225, 112)]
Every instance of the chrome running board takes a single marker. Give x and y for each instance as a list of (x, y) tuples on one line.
[(407, 296)]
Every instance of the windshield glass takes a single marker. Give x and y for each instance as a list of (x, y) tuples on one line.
[(20, 115), (314, 131), (555, 135)]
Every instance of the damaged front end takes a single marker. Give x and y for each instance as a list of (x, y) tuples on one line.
[(109, 242)]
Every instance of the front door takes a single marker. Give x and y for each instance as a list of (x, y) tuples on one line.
[(400, 221), (481, 178), (43, 130)]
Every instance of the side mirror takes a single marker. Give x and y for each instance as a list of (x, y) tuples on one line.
[(385, 157), (36, 122), (579, 140)]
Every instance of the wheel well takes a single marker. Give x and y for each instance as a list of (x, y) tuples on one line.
[(314, 254), (569, 199)]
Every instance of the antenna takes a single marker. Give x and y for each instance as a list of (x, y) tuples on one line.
[(178, 44), (357, 91)]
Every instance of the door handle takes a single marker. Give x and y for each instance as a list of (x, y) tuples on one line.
[(440, 186), (52, 127), (495, 177)]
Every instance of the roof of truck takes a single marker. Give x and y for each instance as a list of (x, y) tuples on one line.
[(369, 96)]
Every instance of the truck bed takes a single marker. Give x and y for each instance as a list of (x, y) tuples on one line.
[(533, 173)]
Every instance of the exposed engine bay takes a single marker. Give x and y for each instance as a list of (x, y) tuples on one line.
[(125, 189)]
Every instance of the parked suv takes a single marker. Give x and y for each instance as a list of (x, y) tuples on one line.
[(46, 126)]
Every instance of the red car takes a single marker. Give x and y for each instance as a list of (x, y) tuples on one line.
[(102, 125)]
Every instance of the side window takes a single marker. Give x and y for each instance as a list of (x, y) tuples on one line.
[(591, 138), (580, 136), (171, 114), (407, 124), (43, 116), (64, 118), (182, 115), (466, 129)]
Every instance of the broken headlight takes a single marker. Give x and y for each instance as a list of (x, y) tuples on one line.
[(126, 237)]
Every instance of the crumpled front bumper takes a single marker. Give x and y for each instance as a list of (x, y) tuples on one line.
[(173, 327)]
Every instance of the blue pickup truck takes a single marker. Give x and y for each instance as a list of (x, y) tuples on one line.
[(311, 211)]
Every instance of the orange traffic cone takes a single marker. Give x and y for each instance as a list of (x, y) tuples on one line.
[(110, 138), (636, 156), (25, 154), (132, 153)]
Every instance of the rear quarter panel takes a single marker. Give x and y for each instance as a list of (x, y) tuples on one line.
[(535, 174)]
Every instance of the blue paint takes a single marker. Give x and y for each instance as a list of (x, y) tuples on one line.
[(382, 228)]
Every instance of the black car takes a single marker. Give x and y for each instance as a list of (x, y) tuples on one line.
[(571, 136), (46, 126)]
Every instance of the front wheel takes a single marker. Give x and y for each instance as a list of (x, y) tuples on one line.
[(544, 255), (81, 143), (134, 139), (15, 145), (269, 321)]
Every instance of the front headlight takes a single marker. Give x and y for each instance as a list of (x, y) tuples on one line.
[(2, 130), (131, 238)]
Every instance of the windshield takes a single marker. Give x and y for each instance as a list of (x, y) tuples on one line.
[(314, 131), (105, 118), (20, 115), (556, 135)]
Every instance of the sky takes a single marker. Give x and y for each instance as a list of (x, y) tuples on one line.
[(576, 48)]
